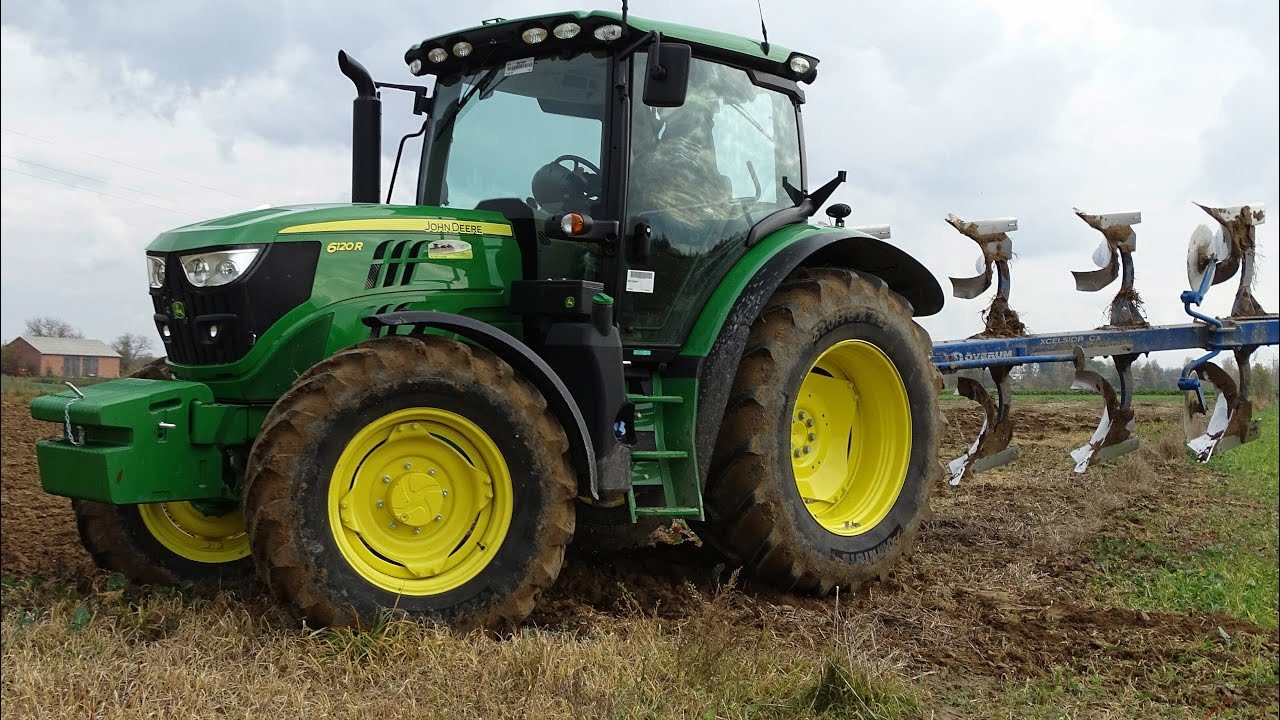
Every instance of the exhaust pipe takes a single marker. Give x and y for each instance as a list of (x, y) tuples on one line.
[(366, 132)]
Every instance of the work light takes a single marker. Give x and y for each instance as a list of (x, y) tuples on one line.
[(566, 31), (534, 35), (608, 33), (462, 49)]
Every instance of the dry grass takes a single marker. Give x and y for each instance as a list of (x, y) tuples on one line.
[(1009, 609)]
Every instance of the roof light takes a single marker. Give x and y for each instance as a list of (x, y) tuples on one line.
[(608, 33), (565, 31), (462, 49), (800, 64), (415, 67), (534, 35), (437, 55)]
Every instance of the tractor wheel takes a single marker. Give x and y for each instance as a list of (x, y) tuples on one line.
[(410, 472), (175, 543), (828, 451)]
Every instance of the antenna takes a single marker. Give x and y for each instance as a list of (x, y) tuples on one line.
[(624, 15), (763, 30)]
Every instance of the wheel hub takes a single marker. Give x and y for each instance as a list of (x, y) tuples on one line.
[(415, 502), (415, 498), (850, 437)]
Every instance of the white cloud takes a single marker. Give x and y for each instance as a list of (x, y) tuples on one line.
[(983, 109)]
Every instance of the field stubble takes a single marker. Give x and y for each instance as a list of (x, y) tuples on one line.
[(1016, 603)]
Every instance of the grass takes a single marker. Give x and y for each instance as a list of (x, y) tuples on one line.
[(963, 630), (32, 386), (1219, 556), (168, 655)]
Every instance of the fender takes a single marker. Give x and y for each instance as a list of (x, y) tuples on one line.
[(717, 341), (520, 357)]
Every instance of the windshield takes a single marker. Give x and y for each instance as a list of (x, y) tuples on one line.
[(529, 130)]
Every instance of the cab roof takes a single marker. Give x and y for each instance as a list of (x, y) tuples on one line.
[(497, 39)]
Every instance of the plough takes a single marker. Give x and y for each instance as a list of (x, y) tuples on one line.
[(1004, 342)]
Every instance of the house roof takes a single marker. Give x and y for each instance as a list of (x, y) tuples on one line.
[(69, 346)]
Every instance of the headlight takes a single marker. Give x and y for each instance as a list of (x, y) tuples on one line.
[(212, 269), (155, 271), (608, 33), (566, 31)]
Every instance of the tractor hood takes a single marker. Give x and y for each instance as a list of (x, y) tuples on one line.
[(319, 221)]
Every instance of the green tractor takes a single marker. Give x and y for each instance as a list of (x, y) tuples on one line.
[(607, 307)]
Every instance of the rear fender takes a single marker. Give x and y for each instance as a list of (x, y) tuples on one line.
[(719, 337)]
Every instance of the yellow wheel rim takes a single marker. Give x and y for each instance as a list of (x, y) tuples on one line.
[(851, 437), (420, 501), (190, 533)]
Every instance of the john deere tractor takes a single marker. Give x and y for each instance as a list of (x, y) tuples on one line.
[(606, 306)]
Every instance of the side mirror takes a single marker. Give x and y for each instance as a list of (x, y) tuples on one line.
[(666, 74)]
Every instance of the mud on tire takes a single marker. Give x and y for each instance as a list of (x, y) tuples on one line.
[(755, 514), (293, 460)]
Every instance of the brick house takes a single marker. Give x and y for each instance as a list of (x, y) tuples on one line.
[(66, 357)]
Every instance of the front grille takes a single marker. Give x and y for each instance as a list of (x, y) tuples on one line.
[(242, 310)]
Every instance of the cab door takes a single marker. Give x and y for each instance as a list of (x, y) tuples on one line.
[(701, 175)]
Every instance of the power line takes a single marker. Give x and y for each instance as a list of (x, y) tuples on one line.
[(84, 177), (97, 192), (129, 165)]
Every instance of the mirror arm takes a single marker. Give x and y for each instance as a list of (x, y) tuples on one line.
[(653, 36)]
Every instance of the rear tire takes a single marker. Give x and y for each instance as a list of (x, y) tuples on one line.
[(367, 488), (863, 512), (165, 543)]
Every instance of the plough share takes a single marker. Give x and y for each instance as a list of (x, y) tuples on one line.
[(1004, 342)]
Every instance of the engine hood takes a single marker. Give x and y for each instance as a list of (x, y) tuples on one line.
[(298, 221)]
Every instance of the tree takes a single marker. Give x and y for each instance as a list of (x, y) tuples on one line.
[(134, 351), (9, 359), (49, 326)]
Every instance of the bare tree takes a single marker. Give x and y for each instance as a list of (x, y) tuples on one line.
[(134, 350), (49, 326)]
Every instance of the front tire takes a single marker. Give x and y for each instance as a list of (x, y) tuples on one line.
[(828, 451), (415, 473)]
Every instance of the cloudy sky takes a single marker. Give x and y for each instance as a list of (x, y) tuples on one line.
[(122, 119)]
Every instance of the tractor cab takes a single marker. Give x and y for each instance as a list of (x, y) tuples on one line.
[(636, 154)]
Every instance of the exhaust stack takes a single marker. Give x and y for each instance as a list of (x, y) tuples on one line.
[(366, 132)]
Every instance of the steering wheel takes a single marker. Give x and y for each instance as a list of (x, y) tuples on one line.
[(555, 183), (578, 163)]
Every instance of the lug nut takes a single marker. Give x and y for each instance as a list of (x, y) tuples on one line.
[(408, 466), (807, 450), (417, 531), (393, 525), (379, 503), (813, 436), (809, 422), (386, 478), (439, 518), (802, 415), (444, 493), (797, 453), (432, 471)]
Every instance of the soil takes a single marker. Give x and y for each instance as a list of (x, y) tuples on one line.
[(997, 589), (37, 530)]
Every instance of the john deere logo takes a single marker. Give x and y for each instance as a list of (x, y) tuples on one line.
[(179, 310)]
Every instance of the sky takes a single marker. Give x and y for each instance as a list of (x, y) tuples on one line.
[(123, 119)]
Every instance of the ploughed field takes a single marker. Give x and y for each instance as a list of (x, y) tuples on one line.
[(1146, 588)]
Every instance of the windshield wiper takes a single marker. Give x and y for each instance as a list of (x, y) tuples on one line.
[(454, 110)]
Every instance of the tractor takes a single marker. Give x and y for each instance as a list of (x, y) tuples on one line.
[(608, 307)]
